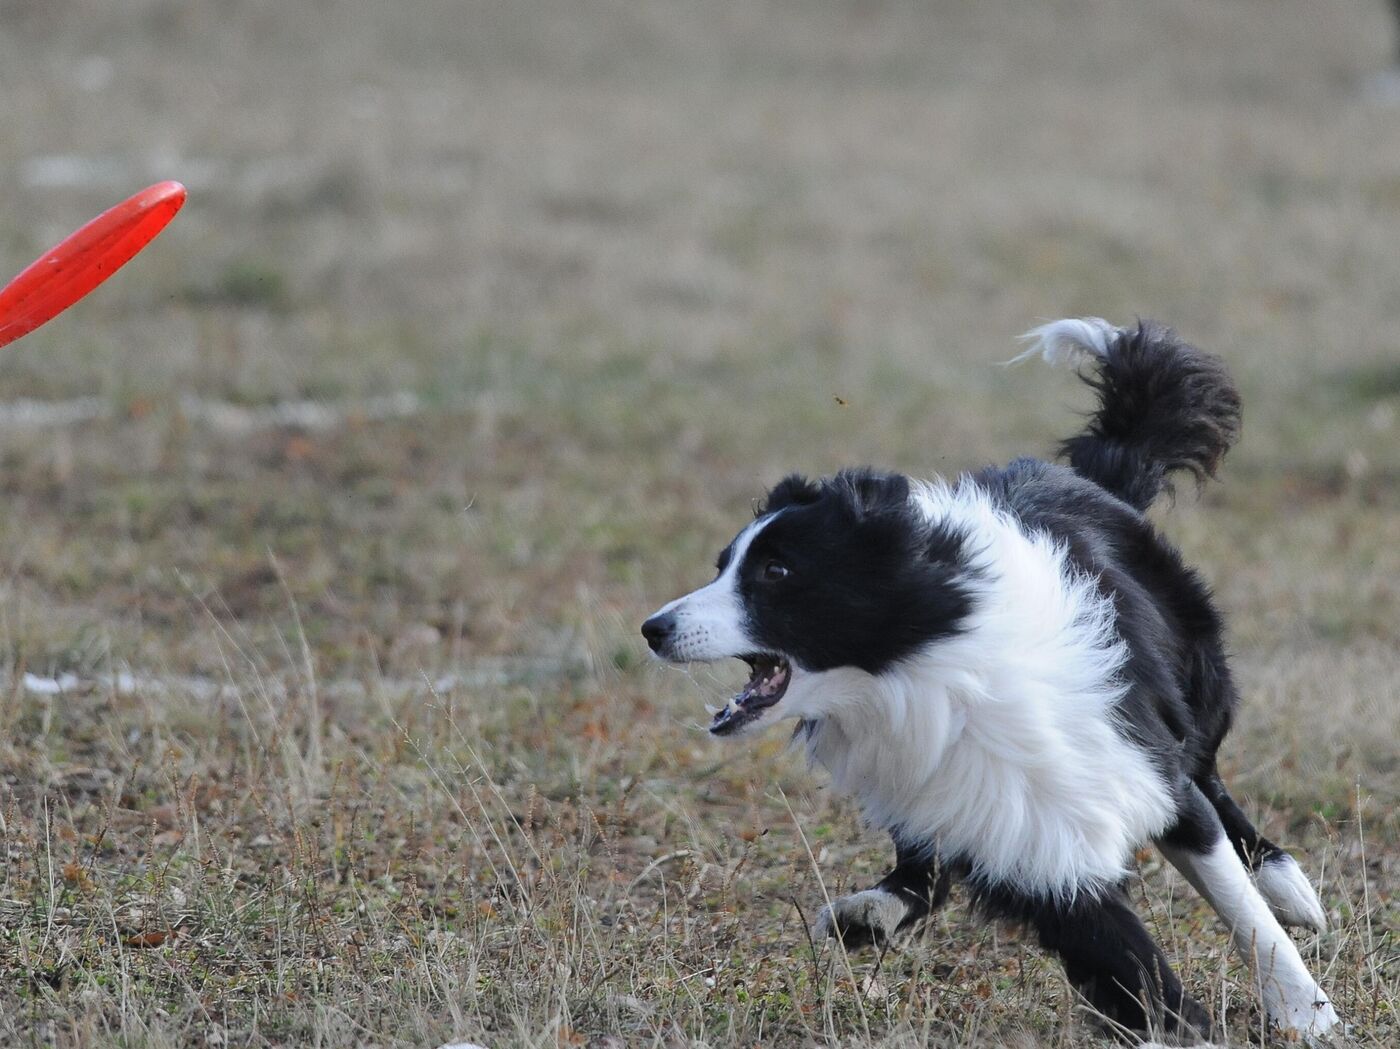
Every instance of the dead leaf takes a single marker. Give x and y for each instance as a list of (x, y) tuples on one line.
[(298, 448), (150, 939), (76, 874)]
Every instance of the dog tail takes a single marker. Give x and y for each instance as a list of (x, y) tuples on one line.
[(1163, 405)]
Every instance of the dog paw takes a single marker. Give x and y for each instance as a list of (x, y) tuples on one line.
[(862, 919), (1310, 1023), (1289, 894)]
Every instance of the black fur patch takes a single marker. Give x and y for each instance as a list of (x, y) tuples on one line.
[(1108, 955), (869, 580)]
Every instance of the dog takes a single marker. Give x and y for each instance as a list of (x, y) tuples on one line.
[(1016, 676)]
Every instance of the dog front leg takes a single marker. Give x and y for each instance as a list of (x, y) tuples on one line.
[(916, 887)]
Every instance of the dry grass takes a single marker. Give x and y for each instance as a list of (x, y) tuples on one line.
[(359, 746)]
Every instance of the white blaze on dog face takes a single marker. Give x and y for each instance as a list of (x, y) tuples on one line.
[(710, 623)]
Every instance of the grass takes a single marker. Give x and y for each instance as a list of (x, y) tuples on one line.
[(358, 744)]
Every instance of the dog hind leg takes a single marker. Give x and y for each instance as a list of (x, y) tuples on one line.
[(1277, 875), (1198, 846)]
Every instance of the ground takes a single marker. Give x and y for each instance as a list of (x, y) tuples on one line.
[(327, 524)]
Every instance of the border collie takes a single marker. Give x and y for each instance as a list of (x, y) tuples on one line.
[(1016, 675)]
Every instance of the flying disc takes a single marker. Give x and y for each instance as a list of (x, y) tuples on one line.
[(72, 268)]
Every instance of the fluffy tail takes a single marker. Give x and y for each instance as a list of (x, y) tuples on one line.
[(1163, 405)]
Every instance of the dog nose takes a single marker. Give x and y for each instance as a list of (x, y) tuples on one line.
[(658, 630)]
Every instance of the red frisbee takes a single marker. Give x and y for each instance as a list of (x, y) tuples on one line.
[(72, 268)]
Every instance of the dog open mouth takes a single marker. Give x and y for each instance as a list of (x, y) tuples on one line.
[(767, 682)]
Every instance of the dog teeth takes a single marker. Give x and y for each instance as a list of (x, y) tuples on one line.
[(768, 685)]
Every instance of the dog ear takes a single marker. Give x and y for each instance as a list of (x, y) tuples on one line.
[(868, 493), (792, 490)]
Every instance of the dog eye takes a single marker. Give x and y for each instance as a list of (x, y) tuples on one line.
[(775, 570)]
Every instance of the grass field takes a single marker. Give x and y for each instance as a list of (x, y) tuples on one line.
[(327, 526)]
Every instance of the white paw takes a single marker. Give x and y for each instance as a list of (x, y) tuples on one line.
[(1290, 895), (1309, 1021), (871, 916)]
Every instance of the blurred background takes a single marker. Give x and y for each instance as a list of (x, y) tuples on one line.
[(327, 524)]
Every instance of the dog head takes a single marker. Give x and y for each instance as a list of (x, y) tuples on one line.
[(832, 580)]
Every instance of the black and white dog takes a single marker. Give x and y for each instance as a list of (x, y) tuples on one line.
[(1016, 676)]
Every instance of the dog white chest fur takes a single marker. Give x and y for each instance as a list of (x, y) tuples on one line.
[(1000, 743)]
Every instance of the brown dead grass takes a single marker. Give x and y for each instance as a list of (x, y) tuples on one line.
[(361, 747)]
